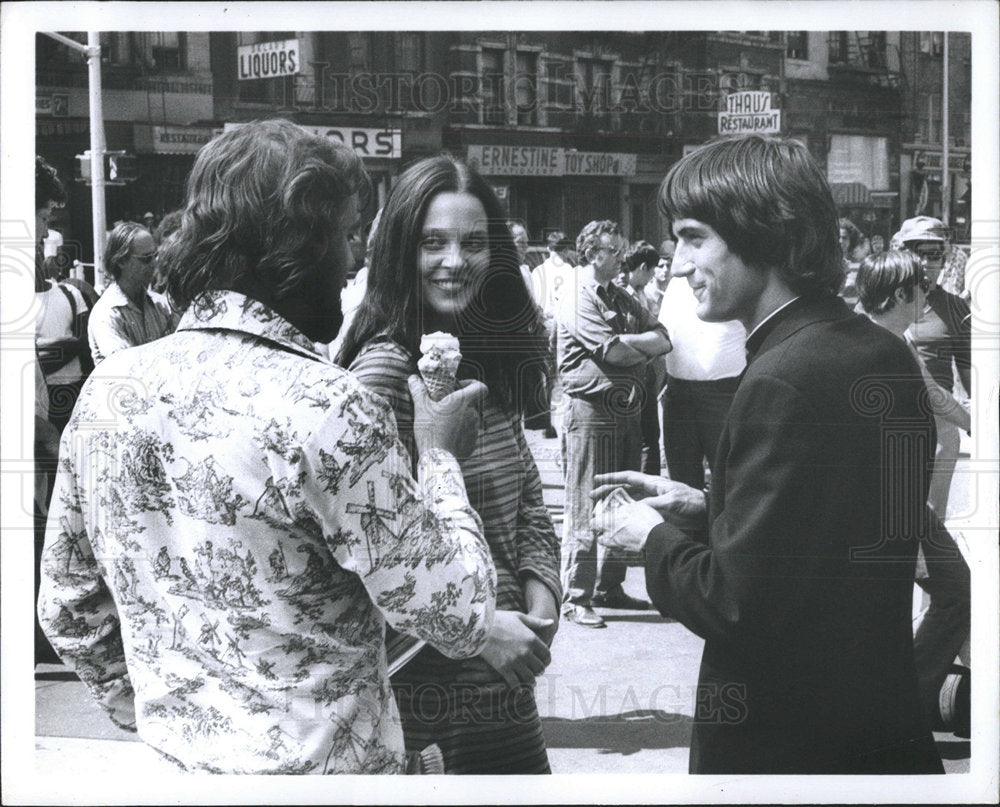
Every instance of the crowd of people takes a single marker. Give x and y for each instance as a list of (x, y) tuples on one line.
[(260, 488)]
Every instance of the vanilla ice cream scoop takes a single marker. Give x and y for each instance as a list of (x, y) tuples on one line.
[(438, 364)]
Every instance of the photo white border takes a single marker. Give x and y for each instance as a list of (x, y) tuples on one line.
[(22, 784)]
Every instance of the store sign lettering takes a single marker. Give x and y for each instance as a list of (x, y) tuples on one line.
[(268, 59), (749, 112), (56, 105), (383, 143), (548, 161)]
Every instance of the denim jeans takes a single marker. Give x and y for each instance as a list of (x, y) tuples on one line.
[(598, 437)]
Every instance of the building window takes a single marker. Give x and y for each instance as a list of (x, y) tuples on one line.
[(167, 51), (932, 43), (411, 51), (797, 45), (492, 86), (560, 83), (594, 86), (929, 125), (526, 88), (838, 47), (732, 80), (359, 47), (875, 50)]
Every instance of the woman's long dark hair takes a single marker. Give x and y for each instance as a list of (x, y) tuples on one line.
[(500, 331)]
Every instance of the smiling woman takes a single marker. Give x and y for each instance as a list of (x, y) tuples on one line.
[(454, 252), (444, 260)]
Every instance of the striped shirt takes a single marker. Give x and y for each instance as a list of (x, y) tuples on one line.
[(503, 486), (117, 323)]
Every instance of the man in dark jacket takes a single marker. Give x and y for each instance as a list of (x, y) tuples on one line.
[(802, 589)]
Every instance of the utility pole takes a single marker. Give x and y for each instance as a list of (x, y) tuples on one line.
[(92, 52), (945, 172)]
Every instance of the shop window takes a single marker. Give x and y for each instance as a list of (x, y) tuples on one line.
[(797, 45), (859, 158)]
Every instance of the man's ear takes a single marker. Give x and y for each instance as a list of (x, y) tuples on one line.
[(901, 296)]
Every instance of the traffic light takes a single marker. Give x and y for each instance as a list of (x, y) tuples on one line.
[(119, 167)]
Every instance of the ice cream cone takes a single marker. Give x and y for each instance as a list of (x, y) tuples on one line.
[(439, 384)]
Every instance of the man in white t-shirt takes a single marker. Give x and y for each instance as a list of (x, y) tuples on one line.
[(703, 371), (548, 280)]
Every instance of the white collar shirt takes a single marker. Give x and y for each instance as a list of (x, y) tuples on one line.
[(117, 323)]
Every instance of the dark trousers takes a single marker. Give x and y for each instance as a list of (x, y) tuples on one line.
[(538, 412), (649, 423), (694, 413), (944, 575)]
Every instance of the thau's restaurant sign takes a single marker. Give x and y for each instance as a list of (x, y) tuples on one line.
[(749, 112)]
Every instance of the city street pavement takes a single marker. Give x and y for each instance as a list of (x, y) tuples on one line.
[(613, 700)]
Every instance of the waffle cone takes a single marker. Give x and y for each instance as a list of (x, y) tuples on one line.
[(439, 384)]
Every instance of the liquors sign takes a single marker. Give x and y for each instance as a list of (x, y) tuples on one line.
[(268, 59)]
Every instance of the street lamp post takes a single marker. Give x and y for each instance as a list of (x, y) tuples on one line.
[(92, 52), (945, 169)]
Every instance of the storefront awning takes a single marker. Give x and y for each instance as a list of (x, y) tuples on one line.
[(850, 194)]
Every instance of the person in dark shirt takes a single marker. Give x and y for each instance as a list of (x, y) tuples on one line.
[(943, 338)]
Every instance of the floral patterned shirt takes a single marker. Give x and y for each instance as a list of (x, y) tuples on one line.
[(233, 524)]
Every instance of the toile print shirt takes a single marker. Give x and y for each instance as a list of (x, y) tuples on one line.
[(233, 524)]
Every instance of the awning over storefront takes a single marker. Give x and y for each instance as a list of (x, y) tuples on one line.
[(850, 194)]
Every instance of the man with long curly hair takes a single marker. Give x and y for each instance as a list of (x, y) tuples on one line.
[(235, 520)]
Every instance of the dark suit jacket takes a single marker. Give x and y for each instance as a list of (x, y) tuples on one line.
[(803, 590)]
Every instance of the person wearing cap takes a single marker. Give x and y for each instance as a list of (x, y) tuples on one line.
[(891, 287), (943, 338)]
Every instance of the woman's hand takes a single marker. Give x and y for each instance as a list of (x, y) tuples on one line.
[(453, 423), (514, 650)]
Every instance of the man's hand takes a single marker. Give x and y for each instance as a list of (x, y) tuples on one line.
[(675, 502), (451, 424), (627, 527)]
